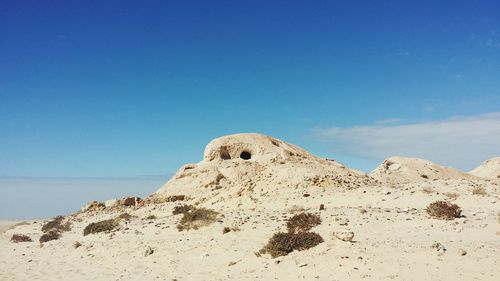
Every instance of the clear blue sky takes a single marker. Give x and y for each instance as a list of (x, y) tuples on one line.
[(129, 88)]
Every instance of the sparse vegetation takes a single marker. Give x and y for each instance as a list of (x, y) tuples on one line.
[(49, 236), (174, 198), (229, 229), (125, 216), (478, 190), (297, 238), (302, 222), (101, 226), (444, 210), (193, 217), (17, 238), (281, 244), (182, 209), (424, 176), (57, 225), (151, 217)]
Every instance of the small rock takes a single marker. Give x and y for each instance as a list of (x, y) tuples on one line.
[(439, 248), (303, 264), (342, 221), (345, 236), (322, 207), (149, 251), (462, 252), (362, 211), (77, 244)]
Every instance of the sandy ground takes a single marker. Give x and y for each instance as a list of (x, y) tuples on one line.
[(393, 241), (4, 225), (394, 236)]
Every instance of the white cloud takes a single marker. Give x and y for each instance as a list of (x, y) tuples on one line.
[(461, 142)]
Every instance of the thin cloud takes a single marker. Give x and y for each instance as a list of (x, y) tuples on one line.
[(461, 142)]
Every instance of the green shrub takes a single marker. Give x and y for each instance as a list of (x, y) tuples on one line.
[(101, 226), (302, 222), (444, 210), (281, 244)]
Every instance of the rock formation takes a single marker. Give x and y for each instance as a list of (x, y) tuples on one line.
[(257, 166)]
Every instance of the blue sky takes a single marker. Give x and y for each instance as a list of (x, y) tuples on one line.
[(130, 88)]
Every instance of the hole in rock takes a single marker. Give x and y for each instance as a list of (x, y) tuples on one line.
[(245, 155)]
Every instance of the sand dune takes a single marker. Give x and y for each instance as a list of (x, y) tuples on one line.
[(489, 169), (246, 188)]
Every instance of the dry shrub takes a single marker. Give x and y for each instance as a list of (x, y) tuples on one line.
[(479, 191), (125, 216), (175, 198), (444, 210), (302, 222), (151, 217), (281, 244), (194, 218), (49, 236), (182, 209), (57, 225), (101, 226), (17, 238)]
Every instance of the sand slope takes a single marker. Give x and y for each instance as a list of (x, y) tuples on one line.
[(404, 170), (393, 233), (489, 169)]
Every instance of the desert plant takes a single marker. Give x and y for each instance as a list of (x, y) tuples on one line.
[(181, 209), (17, 238), (478, 190), (281, 244), (151, 217), (49, 236), (56, 224), (101, 226), (444, 210), (124, 216), (174, 198), (195, 218), (302, 222)]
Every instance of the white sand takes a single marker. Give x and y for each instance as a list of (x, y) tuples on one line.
[(393, 233)]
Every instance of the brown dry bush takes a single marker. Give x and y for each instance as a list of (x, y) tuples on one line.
[(444, 210), (17, 238), (281, 244), (195, 218), (101, 226), (49, 236), (302, 222), (125, 216), (479, 191), (181, 209), (56, 224)]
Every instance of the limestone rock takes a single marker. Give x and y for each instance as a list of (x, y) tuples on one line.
[(345, 236)]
